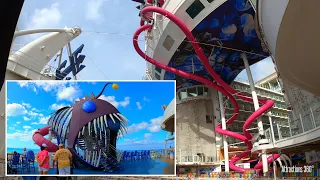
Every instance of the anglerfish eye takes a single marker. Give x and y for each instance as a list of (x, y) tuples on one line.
[(89, 107)]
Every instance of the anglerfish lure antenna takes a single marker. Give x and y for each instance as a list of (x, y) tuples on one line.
[(114, 86)]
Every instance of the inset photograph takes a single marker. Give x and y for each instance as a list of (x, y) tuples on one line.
[(90, 128)]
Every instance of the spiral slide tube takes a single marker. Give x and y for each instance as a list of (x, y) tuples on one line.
[(39, 139), (223, 87)]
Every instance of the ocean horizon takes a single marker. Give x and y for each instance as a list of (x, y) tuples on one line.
[(20, 150)]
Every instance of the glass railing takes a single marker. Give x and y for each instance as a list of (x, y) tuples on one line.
[(307, 121)]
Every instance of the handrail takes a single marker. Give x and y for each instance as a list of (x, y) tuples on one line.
[(118, 152)]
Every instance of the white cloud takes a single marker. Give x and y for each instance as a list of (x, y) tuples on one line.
[(137, 127), (26, 127), (26, 118), (57, 106), (11, 128), (23, 83), (154, 125), (35, 114), (34, 109), (139, 105), (27, 105), (15, 109), (46, 17), (22, 136), (44, 120), (68, 93), (18, 122), (93, 10), (63, 92), (112, 100)]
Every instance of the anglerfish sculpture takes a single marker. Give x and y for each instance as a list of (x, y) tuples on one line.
[(89, 129)]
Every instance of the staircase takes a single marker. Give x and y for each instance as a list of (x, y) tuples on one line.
[(97, 153)]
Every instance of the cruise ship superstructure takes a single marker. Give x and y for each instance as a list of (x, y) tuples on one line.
[(30, 61), (222, 122)]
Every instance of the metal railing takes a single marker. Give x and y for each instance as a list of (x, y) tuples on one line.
[(119, 154), (186, 156)]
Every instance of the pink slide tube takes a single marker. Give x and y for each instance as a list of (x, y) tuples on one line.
[(223, 87), (38, 138)]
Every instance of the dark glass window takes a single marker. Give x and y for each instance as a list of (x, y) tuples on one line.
[(168, 42), (210, 1), (195, 8), (158, 69), (157, 76)]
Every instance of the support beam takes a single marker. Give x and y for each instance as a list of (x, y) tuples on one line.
[(36, 31), (224, 127), (256, 107), (271, 128)]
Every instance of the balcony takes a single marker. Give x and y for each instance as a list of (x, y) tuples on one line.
[(192, 93), (304, 129)]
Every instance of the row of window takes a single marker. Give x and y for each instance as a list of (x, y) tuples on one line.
[(193, 10), (250, 108), (192, 92), (260, 92)]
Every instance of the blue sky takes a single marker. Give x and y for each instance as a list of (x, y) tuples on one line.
[(114, 53), (29, 105)]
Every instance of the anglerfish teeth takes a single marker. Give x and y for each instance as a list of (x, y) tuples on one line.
[(83, 128), (112, 118), (117, 117), (101, 123), (123, 117), (95, 126), (105, 120), (89, 126)]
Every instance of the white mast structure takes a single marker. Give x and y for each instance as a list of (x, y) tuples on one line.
[(30, 62)]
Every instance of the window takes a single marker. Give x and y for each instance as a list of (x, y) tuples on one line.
[(168, 42), (183, 94), (210, 1), (205, 91), (158, 69), (200, 91), (157, 76), (195, 8), (192, 92), (208, 119)]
